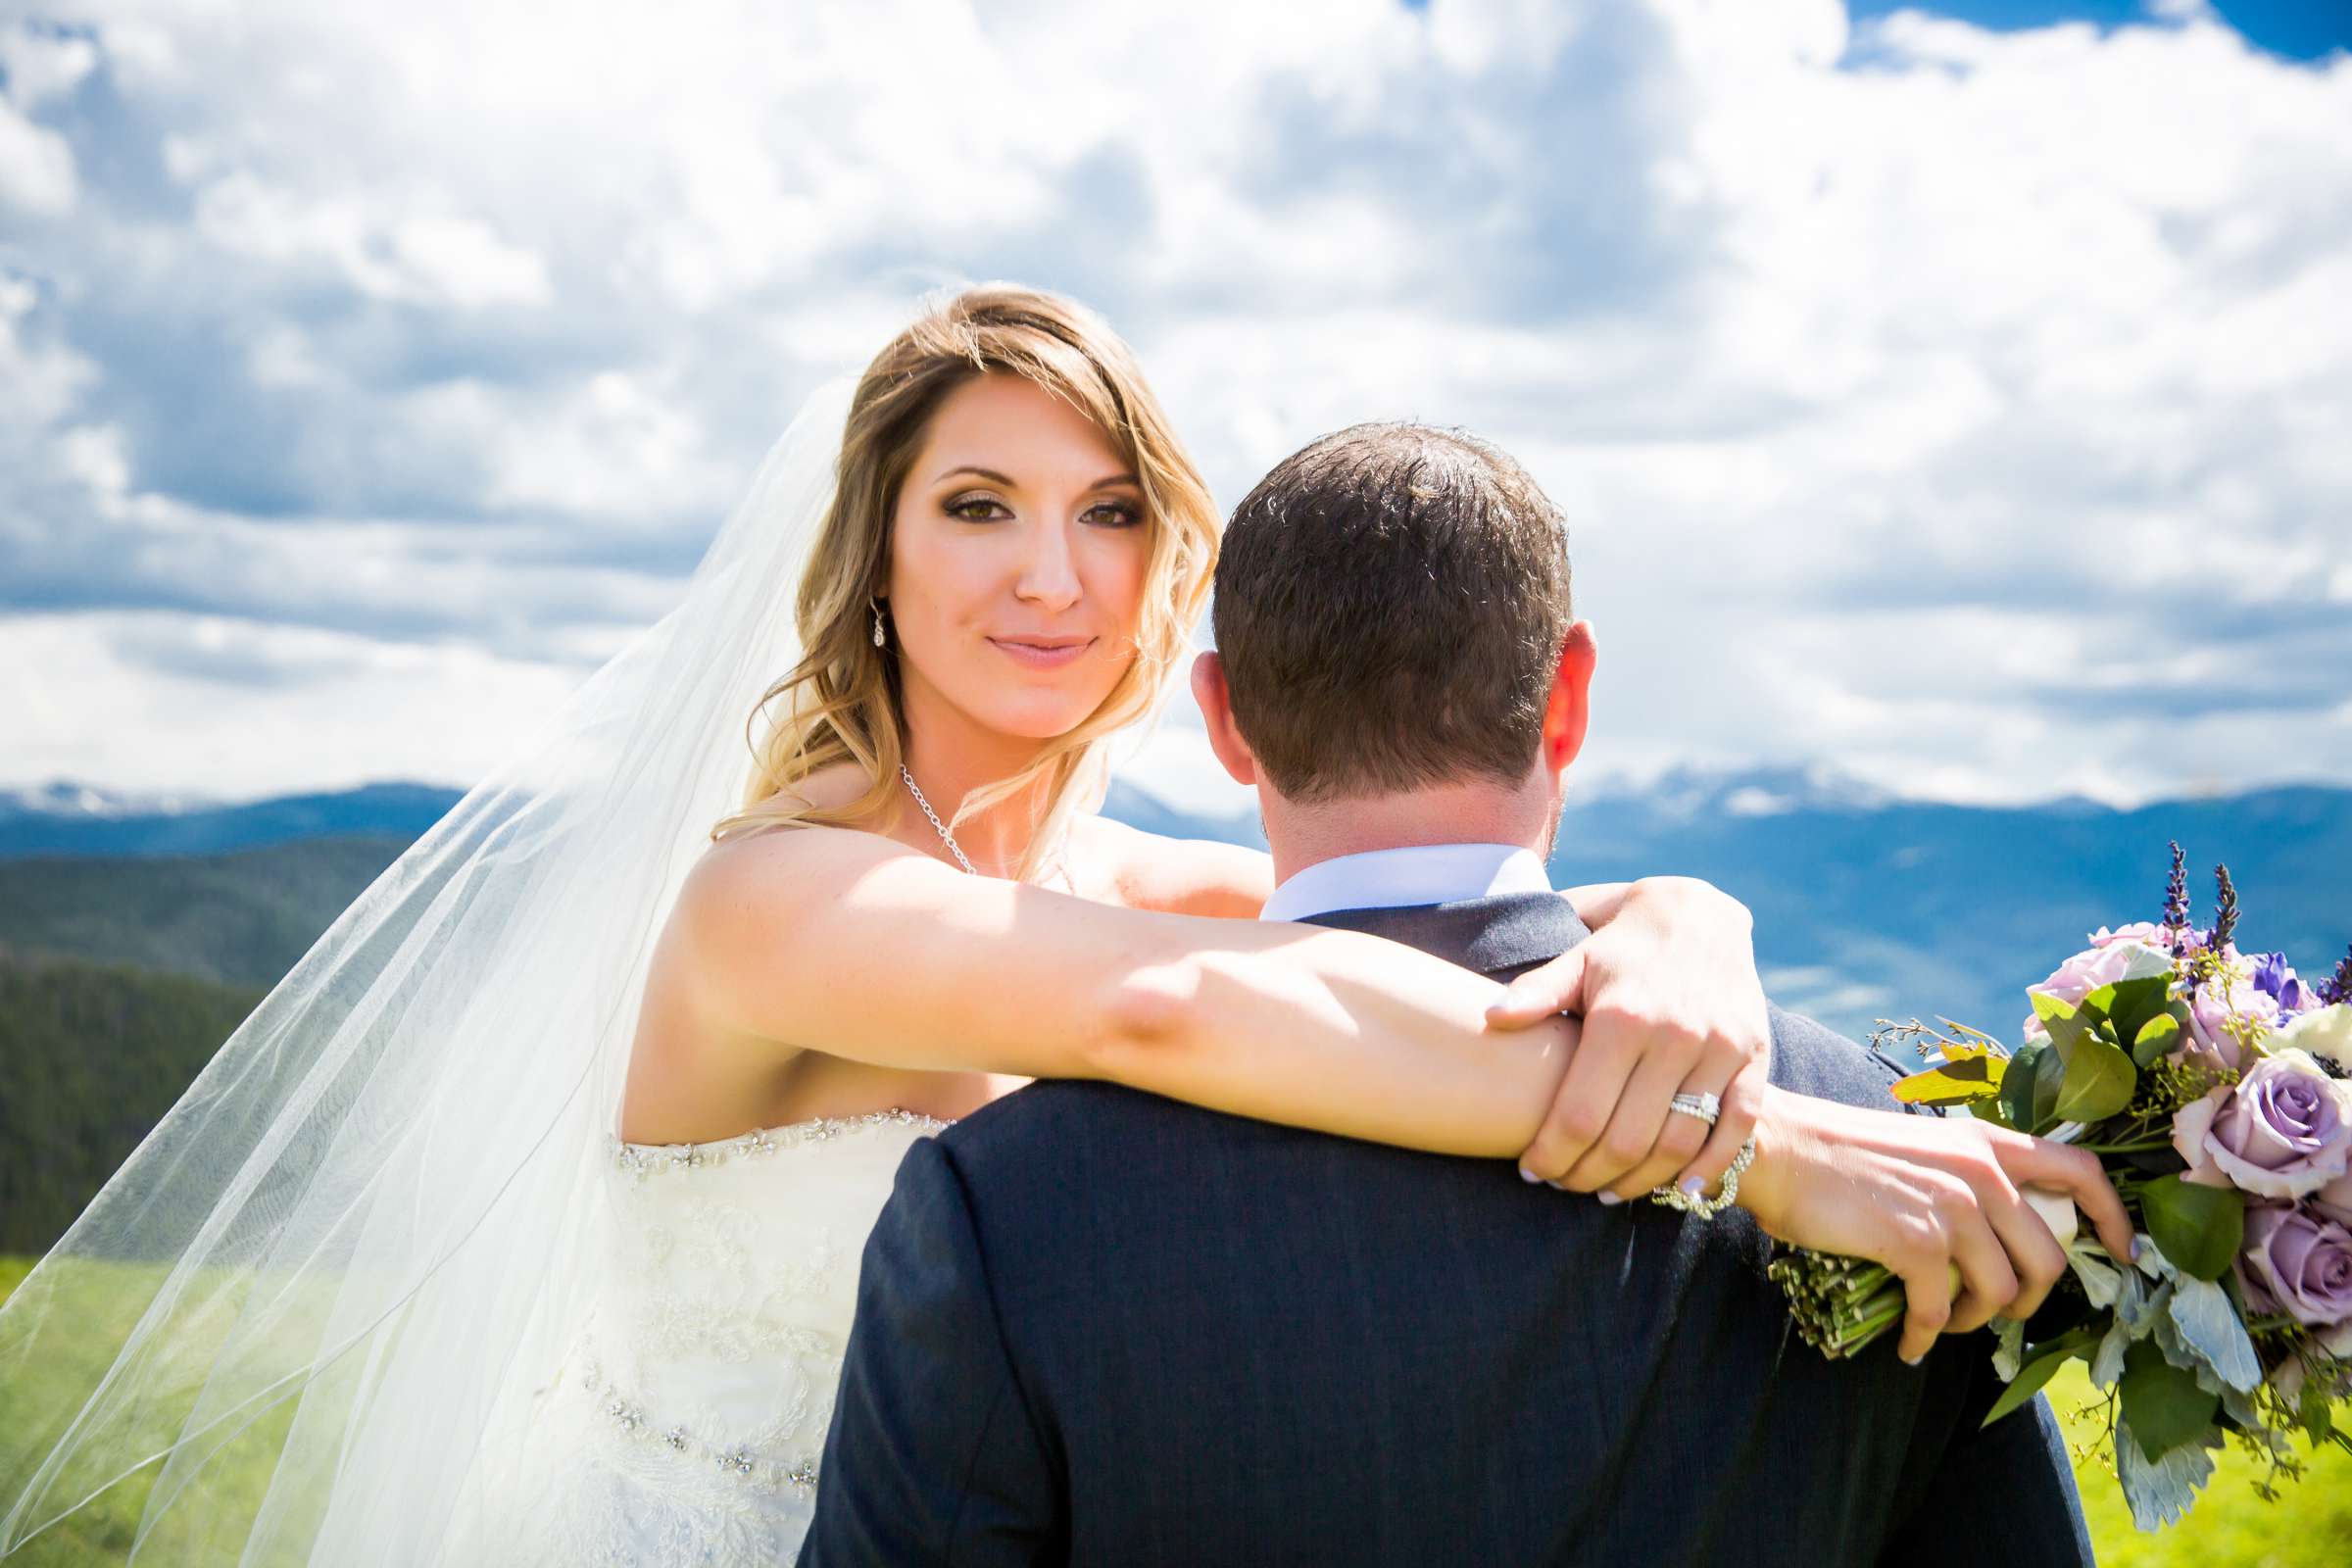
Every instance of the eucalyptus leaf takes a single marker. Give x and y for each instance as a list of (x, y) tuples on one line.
[(2048, 1008), (2018, 1087), (2098, 1081), (2158, 1037), (2136, 1001), (2049, 1074), (1968, 1074), (2199, 1228), (2065, 1031), (2029, 1380), (2165, 1404)]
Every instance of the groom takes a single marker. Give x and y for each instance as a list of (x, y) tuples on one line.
[(1098, 1327)]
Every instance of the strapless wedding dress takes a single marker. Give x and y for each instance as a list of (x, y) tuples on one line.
[(686, 1421)]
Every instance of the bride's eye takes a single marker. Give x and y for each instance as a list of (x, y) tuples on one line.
[(975, 508), (1116, 515)]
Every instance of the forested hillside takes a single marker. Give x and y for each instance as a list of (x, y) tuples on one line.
[(241, 918), (91, 1056)]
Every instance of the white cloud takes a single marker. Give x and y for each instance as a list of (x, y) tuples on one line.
[(154, 699), (36, 166), (1958, 405)]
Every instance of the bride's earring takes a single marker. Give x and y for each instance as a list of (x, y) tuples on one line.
[(869, 599)]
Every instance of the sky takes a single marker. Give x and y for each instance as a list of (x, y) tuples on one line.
[(1953, 399)]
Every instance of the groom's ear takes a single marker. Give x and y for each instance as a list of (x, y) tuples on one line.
[(1216, 707), (1568, 710)]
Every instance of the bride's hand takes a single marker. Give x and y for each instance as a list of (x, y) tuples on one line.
[(1930, 1197), (1671, 1005)]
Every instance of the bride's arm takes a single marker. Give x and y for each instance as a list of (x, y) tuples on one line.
[(846, 942), (1666, 987), (885, 956)]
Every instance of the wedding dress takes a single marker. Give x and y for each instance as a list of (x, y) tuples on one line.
[(685, 1422)]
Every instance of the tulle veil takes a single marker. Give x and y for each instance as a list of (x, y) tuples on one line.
[(309, 1315)]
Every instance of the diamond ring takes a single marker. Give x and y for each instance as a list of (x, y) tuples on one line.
[(1706, 1107)]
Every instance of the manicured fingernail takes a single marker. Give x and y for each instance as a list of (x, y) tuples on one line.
[(1609, 1200), (1557, 1187), (1914, 1360), (1528, 1176), (2136, 1248), (1691, 1185)]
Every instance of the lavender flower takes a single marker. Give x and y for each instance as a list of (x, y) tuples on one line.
[(2175, 897), (2224, 916)]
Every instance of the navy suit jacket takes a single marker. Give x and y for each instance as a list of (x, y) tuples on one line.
[(1100, 1327)]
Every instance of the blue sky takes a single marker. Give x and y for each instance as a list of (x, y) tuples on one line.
[(2300, 29), (1948, 398)]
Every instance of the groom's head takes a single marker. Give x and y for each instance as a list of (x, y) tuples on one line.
[(1393, 625)]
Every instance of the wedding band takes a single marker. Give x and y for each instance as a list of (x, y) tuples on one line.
[(1706, 1107)]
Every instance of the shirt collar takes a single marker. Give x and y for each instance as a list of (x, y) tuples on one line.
[(1421, 873)]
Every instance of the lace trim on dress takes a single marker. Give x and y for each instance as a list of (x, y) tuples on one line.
[(640, 1160)]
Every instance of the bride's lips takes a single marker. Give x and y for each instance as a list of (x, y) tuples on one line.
[(1044, 653)]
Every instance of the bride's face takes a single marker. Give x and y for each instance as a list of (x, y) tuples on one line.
[(1017, 561)]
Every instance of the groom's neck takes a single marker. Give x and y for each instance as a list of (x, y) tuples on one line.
[(1301, 835)]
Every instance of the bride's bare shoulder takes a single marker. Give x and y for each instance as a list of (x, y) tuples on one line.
[(774, 839), (1177, 876)]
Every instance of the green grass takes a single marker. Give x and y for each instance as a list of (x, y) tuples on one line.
[(95, 1294), (2230, 1527)]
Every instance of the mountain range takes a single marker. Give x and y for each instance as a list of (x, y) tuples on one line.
[(1867, 905)]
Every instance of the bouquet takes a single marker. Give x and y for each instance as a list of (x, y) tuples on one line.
[(2216, 1088)]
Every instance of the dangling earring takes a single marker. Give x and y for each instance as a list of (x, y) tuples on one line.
[(869, 599)]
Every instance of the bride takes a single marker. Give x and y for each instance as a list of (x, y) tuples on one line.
[(522, 1221)]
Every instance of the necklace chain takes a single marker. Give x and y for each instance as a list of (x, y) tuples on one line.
[(948, 839)]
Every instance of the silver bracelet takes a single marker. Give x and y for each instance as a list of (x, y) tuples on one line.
[(1709, 1207)]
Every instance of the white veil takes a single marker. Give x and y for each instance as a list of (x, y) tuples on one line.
[(307, 1315)]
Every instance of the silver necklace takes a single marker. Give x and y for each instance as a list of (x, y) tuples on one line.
[(948, 839)]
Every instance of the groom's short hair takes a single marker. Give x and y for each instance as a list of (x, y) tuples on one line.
[(1389, 608)]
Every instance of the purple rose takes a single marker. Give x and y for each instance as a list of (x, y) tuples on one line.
[(2284, 1130), (2300, 1263)]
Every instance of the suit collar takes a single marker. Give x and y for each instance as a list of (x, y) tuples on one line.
[(1509, 931)]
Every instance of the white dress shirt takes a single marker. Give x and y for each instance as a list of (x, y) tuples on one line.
[(1421, 873)]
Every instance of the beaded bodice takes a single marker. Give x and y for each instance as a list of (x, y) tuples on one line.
[(707, 1366)]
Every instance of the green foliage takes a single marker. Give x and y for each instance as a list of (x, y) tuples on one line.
[(2163, 1404), (2029, 1087), (2199, 1228), (2042, 1364), (2098, 1081), (91, 1056), (1963, 1077)]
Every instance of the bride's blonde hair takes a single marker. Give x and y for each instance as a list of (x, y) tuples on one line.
[(842, 698)]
